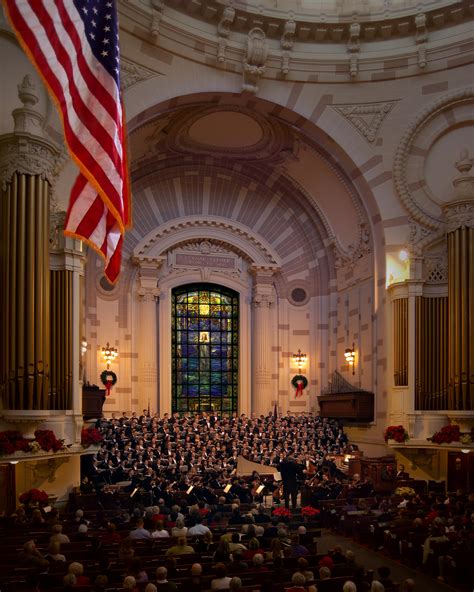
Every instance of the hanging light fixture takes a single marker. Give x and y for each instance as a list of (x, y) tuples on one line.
[(299, 358), (109, 354), (349, 354)]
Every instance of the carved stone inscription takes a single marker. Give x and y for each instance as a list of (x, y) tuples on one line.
[(200, 260)]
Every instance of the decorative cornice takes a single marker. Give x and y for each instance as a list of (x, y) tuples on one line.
[(321, 47), (169, 235), (326, 24)]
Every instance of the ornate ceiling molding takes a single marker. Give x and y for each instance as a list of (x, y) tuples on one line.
[(402, 154), (171, 133), (222, 231), (215, 33)]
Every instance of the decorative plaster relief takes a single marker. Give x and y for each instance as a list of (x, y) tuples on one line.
[(435, 268), (408, 170), (254, 61), (223, 32), (27, 150), (353, 47), (132, 73), (156, 16), (286, 43), (367, 118)]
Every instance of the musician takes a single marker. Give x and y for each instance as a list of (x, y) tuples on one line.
[(402, 475), (290, 472)]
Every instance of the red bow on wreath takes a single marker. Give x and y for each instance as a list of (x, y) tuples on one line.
[(108, 379), (300, 382)]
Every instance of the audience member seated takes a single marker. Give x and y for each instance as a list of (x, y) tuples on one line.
[(222, 580), (139, 532), (162, 583), (54, 552), (181, 548), (298, 584), (31, 557), (77, 570), (58, 535)]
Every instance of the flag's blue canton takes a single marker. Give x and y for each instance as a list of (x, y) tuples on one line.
[(101, 28)]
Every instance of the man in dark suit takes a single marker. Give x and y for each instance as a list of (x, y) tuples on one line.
[(402, 475), (290, 471)]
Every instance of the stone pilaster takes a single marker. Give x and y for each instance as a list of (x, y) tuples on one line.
[(148, 295), (262, 303)]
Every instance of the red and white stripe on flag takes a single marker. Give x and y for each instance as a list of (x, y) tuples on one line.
[(74, 46)]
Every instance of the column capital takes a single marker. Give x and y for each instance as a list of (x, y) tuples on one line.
[(149, 294), (148, 276), (65, 252), (27, 150), (459, 211)]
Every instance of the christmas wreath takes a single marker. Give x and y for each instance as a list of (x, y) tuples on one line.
[(300, 382), (108, 379)]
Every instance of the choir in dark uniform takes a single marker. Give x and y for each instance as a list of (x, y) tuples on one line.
[(162, 456)]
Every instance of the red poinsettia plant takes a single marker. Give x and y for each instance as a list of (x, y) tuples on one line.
[(282, 512), (310, 512), (397, 433), (48, 441), (33, 495), (11, 441), (90, 436), (447, 434)]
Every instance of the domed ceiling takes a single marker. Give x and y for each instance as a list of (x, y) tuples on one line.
[(235, 143)]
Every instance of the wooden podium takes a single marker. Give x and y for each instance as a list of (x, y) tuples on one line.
[(93, 399)]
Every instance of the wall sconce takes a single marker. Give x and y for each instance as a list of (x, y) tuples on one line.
[(299, 358), (83, 346), (109, 353), (349, 354)]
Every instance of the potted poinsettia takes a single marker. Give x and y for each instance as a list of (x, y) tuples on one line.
[(33, 497), (397, 433), (282, 513)]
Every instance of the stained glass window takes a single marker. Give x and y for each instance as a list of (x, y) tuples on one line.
[(205, 348)]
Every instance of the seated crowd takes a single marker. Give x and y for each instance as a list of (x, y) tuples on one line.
[(183, 548), (429, 531), (181, 520)]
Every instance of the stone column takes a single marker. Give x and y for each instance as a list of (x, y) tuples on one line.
[(148, 294), (263, 299), (27, 162), (459, 214)]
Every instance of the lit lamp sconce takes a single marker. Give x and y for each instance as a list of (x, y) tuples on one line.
[(109, 354), (299, 359), (84, 346), (349, 354)]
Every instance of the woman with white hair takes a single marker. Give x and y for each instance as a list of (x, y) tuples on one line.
[(179, 530), (349, 587), (129, 583), (377, 586)]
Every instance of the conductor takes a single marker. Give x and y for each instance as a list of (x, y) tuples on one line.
[(289, 471)]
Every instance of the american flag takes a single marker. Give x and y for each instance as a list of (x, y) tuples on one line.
[(74, 45)]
